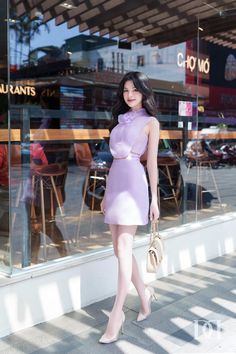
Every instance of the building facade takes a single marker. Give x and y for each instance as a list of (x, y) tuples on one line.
[(57, 88)]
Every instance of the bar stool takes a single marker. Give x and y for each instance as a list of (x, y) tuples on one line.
[(165, 164), (52, 178)]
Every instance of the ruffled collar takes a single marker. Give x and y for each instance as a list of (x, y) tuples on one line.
[(129, 116)]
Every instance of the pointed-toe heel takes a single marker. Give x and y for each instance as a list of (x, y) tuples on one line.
[(106, 340), (152, 297)]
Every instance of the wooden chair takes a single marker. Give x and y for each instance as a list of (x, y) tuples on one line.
[(165, 166)]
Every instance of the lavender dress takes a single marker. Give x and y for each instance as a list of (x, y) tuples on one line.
[(127, 201)]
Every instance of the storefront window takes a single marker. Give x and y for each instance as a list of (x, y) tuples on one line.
[(5, 148), (63, 85), (209, 152)]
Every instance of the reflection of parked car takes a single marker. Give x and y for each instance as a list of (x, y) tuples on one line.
[(98, 158)]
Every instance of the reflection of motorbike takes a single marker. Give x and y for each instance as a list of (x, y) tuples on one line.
[(201, 150), (229, 154)]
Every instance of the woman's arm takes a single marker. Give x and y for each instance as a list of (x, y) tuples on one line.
[(153, 131)]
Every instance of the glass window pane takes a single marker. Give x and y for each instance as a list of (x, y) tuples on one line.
[(5, 260), (64, 85)]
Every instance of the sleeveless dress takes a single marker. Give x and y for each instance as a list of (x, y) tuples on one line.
[(126, 197)]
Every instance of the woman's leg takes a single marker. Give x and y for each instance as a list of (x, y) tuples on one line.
[(140, 286), (136, 276), (123, 248)]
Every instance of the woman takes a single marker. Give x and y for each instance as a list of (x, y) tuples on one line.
[(126, 202)]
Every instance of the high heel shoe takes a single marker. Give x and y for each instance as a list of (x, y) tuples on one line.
[(151, 297), (106, 340)]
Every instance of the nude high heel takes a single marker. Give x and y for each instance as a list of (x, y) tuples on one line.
[(105, 340), (151, 297)]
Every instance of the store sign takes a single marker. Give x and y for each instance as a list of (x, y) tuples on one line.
[(48, 92), (185, 108), (193, 62), (18, 90)]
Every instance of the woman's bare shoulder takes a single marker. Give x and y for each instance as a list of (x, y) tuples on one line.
[(153, 123)]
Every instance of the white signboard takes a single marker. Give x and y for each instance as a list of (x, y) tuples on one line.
[(185, 108)]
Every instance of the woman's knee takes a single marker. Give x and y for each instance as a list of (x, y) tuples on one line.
[(124, 246)]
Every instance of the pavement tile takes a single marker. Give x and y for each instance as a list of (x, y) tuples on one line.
[(228, 345), (23, 342), (181, 321), (208, 332), (183, 304), (191, 348), (164, 326), (231, 271), (219, 302), (228, 284), (198, 274), (227, 302), (61, 347), (166, 286), (227, 260), (212, 267), (71, 324), (132, 347), (95, 309), (208, 278), (184, 278), (200, 310), (229, 325), (203, 342), (12, 351), (196, 338), (195, 313), (125, 345), (160, 342), (182, 336), (181, 288), (138, 335), (132, 302)]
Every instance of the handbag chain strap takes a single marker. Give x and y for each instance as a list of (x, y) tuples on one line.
[(154, 231)]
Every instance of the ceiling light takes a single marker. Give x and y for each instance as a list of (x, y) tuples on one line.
[(67, 5), (141, 30), (91, 40), (11, 20), (38, 13), (200, 29)]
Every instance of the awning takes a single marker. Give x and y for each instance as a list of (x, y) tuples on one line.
[(162, 23)]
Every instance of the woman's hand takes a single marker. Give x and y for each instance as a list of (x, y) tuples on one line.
[(102, 206), (154, 211)]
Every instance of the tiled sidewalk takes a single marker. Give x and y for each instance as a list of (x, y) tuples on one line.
[(195, 313)]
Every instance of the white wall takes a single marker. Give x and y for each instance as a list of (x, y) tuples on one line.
[(40, 294)]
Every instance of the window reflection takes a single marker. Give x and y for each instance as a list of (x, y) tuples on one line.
[(4, 204), (63, 85)]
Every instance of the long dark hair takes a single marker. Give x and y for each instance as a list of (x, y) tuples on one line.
[(142, 84)]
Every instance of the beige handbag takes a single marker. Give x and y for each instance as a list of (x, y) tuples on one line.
[(155, 250)]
